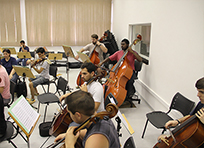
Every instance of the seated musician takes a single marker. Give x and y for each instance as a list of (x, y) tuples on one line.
[(198, 110), (94, 42), (8, 62), (94, 88), (42, 70), (101, 134), (131, 56), (23, 48)]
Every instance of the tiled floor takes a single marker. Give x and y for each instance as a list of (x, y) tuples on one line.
[(135, 116)]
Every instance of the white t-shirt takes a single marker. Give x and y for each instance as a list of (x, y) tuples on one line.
[(45, 73), (96, 90), (91, 46)]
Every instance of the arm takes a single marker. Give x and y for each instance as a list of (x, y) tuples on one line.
[(77, 56), (135, 54), (175, 122), (64, 96), (103, 48), (12, 73), (38, 70), (23, 50), (97, 140), (104, 61)]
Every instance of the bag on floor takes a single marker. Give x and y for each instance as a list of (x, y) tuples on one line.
[(21, 88)]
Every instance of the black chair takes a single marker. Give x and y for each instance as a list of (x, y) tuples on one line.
[(32, 53), (138, 67), (48, 98), (159, 118), (12, 90), (129, 143), (10, 133), (53, 73)]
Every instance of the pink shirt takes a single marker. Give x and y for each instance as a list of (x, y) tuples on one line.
[(4, 82), (130, 56)]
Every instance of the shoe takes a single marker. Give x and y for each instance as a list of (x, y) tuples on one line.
[(36, 94), (31, 101)]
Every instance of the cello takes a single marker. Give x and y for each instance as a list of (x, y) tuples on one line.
[(190, 134), (93, 58), (111, 111), (118, 77)]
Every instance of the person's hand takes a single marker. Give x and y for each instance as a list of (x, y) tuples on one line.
[(161, 137), (76, 57), (59, 137), (99, 65), (200, 115), (130, 49), (84, 87), (10, 76), (62, 98), (98, 43), (70, 138), (171, 123)]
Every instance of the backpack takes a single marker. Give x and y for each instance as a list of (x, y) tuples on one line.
[(21, 88)]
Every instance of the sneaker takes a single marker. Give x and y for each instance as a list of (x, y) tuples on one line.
[(36, 94), (31, 101)]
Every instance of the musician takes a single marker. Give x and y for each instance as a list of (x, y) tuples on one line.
[(23, 48), (42, 70), (94, 42), (8, 63), (198, 110), (94, 88), (101, 134), (131, 56), (4, 85), (3, 124)]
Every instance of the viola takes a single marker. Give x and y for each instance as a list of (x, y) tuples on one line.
[(93, 58), (37, 62), (118, 77), (190, 134), (111, 111)]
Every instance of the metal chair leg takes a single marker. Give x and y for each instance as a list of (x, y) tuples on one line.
[(145, 128)]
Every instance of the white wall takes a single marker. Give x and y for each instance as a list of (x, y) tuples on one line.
[(176, 48)]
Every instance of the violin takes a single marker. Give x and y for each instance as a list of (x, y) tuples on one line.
[(190, 134), (111, 111), (37, 62), (119, 75)]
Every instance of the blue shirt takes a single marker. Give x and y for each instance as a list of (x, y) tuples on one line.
[(197, 108), (8, 64), (26, 48)]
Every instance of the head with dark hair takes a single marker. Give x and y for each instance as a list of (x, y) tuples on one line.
[(40, 49), (89, 66), (124, 44), (200, 83), (95, 36), (82, 102), (7, 53), (22, 42)]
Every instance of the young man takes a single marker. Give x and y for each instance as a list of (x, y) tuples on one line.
[(131, 56), (101, 134), (43, 72), (198, 111), (23, 48), (100, 47), (94, 88)]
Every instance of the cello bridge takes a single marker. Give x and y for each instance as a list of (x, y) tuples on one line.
[(165, 141)]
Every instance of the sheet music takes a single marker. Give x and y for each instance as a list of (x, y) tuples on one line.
[(24, 113)]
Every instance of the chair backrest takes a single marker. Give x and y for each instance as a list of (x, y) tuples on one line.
[(12, 90), (53, 71), (138, 67), (62, 84), (129, 143), (182, 104), (63, 54)]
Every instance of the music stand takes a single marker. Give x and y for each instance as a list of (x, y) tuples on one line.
[(83, 57), (55, 56), (24, 55), (1, 49), (12, 49), (23, 71), (68, 51)]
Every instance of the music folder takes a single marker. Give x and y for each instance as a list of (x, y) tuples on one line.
[(55, 56), (12, 49), (83, 57), (23, 71), (22, 55), (68, 51), (24, 115)]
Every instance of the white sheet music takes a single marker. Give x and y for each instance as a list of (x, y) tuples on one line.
[(24, 113)]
